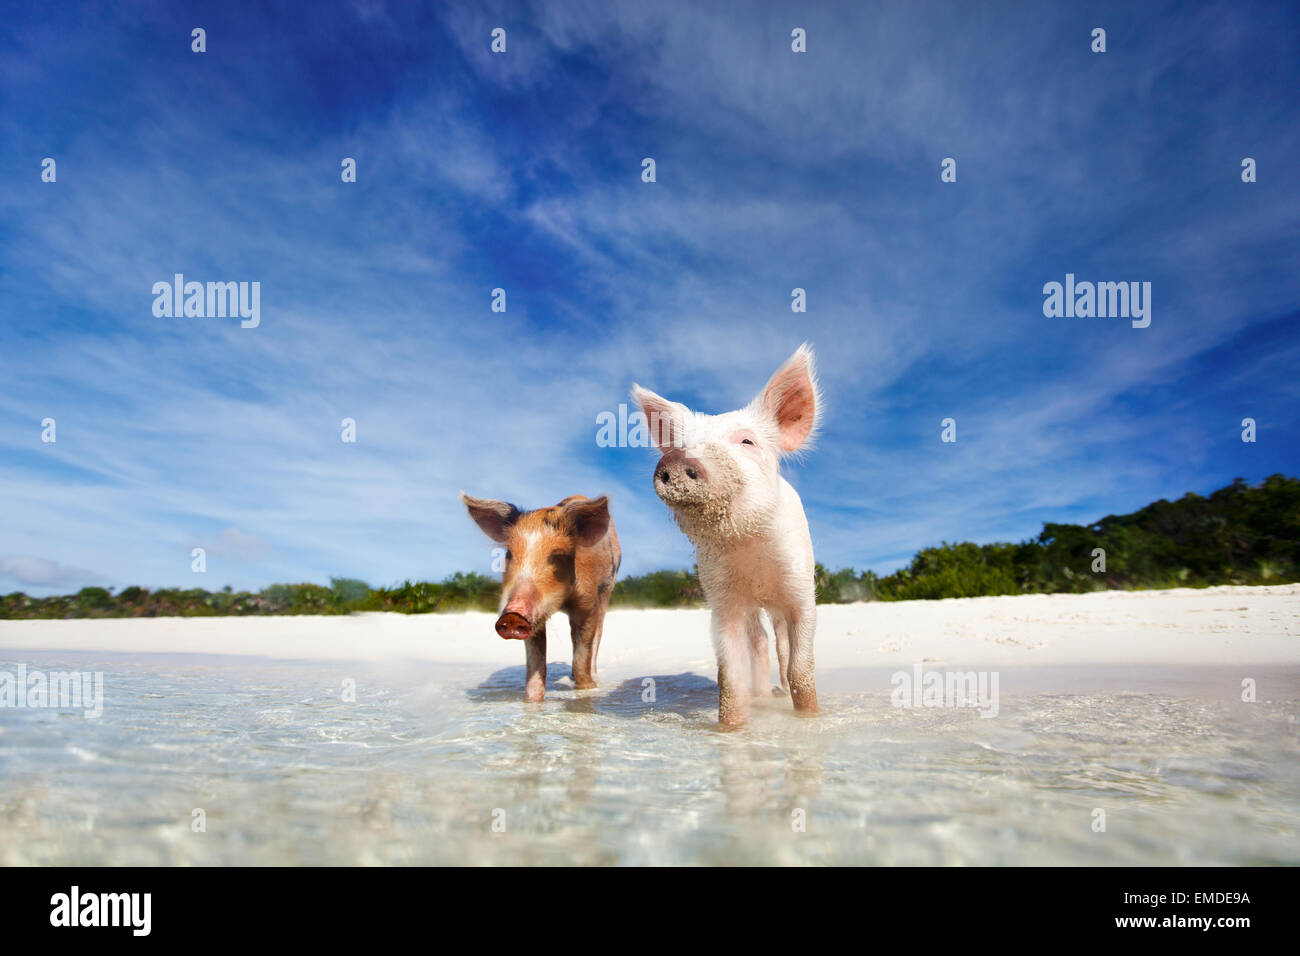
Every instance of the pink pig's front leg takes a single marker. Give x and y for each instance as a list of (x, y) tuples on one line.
[(731, 644), (535, 657), (803, 684), (781, 631), (760, 662)]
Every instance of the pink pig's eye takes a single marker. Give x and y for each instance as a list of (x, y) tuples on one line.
[(746, 441)]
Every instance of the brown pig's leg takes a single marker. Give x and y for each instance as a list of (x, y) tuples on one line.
[(803, 683), (535, 650), (585, 630), (597, 633)]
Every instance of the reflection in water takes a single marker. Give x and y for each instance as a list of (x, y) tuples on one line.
[(427, 759)]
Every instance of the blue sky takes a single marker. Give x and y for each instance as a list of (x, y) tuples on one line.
[(775, 170)]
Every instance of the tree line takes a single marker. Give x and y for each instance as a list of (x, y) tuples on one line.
[(1239, 534)]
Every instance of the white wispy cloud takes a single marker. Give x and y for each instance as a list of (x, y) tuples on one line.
[(522, 172)]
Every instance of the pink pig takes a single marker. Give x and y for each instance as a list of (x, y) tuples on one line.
[(721, 476)]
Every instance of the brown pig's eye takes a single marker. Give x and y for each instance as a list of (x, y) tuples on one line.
[(561, 565)]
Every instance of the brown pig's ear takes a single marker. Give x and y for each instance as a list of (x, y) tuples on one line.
[(494, 517), (590, 519)]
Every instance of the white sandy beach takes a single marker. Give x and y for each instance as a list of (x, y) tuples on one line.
[(1191, 627), (1128, 702)]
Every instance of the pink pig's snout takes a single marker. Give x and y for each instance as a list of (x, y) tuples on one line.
[(676, 465), (678, 477)]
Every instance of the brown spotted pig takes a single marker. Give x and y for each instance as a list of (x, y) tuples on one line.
[(561, 558)]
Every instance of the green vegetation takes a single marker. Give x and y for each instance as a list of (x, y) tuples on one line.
[(460, 592), (659, 589), (1238, 535)]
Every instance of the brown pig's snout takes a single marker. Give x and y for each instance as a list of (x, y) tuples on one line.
[(517, 617), (514, 626), (677, 466)]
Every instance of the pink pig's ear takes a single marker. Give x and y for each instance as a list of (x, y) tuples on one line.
[(666, 420), (494, 517), (792, 400), (590, 519)]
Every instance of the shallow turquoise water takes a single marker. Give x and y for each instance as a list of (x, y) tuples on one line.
[(417, 769)]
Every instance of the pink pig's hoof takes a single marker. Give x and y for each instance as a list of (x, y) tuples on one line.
[(780, 692)]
